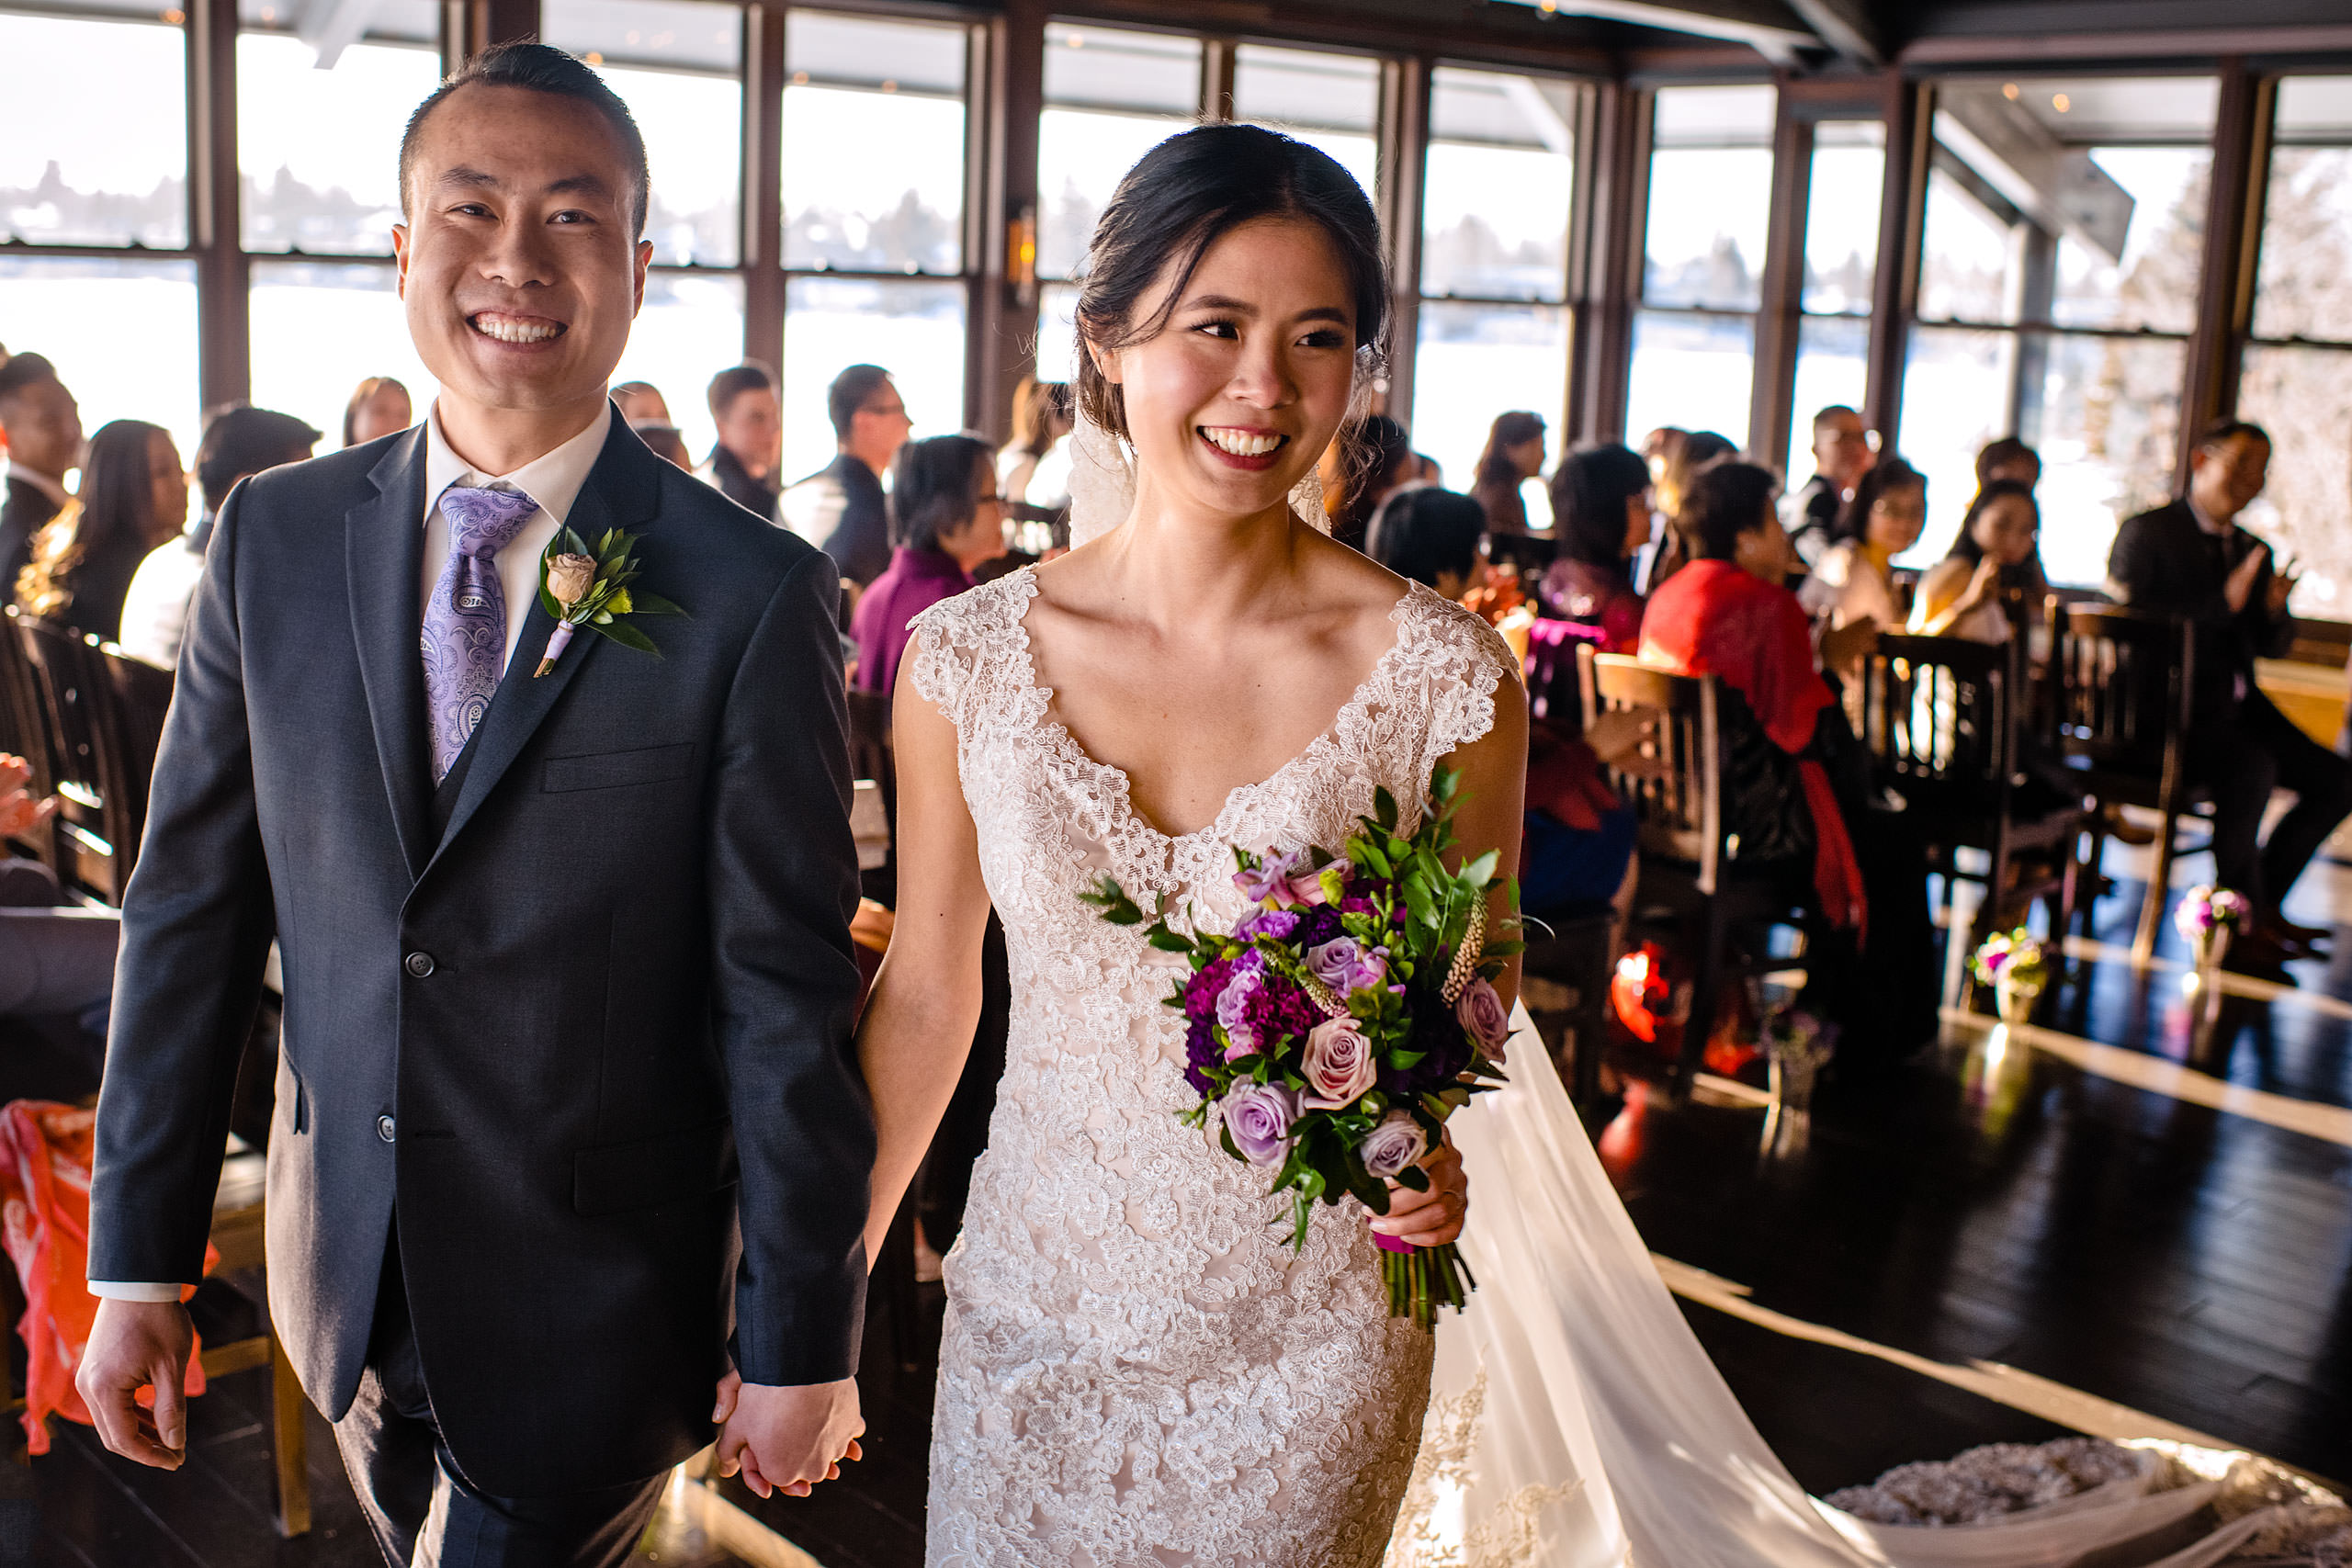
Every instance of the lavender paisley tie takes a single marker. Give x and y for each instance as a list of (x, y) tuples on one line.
[(465, 621)]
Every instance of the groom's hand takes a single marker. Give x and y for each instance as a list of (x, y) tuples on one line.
[(786, 1439), (136, 1345)]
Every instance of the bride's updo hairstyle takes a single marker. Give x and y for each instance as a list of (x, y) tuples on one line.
[(1180, 198)]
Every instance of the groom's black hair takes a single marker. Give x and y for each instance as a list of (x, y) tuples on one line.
[(1180, 198), (541, 68)]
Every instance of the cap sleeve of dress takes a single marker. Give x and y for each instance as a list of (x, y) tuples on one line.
[(957, 649)]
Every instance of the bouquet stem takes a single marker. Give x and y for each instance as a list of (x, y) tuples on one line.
[(1422, 1279)]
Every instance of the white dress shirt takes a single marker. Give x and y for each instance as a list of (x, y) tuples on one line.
[(554, 481), (155, 610)]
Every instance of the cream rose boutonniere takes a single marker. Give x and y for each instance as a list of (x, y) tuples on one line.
[(592, 589)]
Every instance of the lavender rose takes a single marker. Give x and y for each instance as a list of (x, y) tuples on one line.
[(1258, 1117), (1232, 1005), (1393, 1145), (1484, 1019), (1338, 1065), (1345, 965), (1269, 877)]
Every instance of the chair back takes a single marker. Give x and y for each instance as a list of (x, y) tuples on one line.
[(870, 757), (1941, 716), (142, 698), (82, 736), (2123, 682), (1679, 814)]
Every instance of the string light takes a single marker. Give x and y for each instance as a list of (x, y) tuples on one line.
[(2009, 91), (2062, 103)]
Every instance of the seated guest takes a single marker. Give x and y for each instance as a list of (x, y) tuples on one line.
[(839, 508), (1679, 458), (945, 519), (1600, 513), (1852, 585), (1579, 842), (53, 959), (133, 498), (238, 442), (1370, 461), (1043, 417), (1963, 595), (1430, 536), (1841, 456), (665, 441), (640, 402), (1727, 614), (380, 407), (43, 428), (2009, 458), (1514, 454), (751, 438), (2191, 560)]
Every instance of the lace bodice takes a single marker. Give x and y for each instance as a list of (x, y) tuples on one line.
[(1136, 1368)]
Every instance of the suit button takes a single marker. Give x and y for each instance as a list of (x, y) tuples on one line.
[(384, 1128), (419, 964)]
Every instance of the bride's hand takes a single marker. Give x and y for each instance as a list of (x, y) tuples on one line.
[(1434, 1217)]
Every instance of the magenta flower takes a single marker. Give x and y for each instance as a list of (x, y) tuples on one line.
[(1258, 1117)]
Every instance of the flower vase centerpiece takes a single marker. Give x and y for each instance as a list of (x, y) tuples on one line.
[(2017, 967), (1797, 1046), (2205, 916)]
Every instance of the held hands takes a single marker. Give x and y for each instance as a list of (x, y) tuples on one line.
[(2282, 584), (1844, 647), (136, 1345), (786, 1439), (1434, 1217), (1624, 738), (2239, 585)]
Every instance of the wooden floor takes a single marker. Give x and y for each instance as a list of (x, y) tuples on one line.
[(2182, 1261)]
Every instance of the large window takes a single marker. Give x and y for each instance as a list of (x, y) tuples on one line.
[(1702, 256), (1840, 262), (92, 155), (1330, 101), (2296, 377), (2065, 225), (874, 151), (1110, 97), (121, 333), (1494, 320)]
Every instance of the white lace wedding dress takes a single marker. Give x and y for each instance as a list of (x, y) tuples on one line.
[(1137, 1368)]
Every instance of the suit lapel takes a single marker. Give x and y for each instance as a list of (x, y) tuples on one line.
[(620, 493), (383, 559)]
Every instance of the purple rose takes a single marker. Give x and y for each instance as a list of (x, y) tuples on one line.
[(1393, 1145), (1484, 1018), (1345, 965), (1275, 923), (1258, 1117), (1232, 1007), (1269, 876)]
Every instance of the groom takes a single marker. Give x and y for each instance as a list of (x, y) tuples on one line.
[(566, 1096)]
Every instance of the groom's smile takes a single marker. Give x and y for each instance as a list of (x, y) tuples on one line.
[(520, 266)]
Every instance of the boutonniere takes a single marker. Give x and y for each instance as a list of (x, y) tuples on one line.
[(593, 590)]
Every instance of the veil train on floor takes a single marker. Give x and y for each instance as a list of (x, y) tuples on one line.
[(1574, 1421)]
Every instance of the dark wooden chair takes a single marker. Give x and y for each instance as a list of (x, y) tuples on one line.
[(24, 732), (2121, 686), (99, 810), (870, 758), (1687, 859), (1945, 722), (142, 698)]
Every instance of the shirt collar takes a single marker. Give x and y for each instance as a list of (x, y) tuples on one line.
[(53, 489), (2206, 524), (554, 480)]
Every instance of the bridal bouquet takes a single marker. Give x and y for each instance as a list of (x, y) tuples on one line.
[(1348, 1014)]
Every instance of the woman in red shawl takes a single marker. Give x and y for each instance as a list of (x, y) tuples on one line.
[(1726, 614)]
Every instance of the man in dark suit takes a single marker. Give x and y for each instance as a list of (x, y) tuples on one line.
[(43, 428), (566, 1083), (2190, 559), (841, 507)]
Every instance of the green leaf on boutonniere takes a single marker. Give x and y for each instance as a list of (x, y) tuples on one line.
[(625, 634), (652, 605)]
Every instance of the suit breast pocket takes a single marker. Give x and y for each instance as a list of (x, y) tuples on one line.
[(618, 770)]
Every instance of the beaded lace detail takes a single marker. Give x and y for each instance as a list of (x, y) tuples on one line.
[(1137, 1370)]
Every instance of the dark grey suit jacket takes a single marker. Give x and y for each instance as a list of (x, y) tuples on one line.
[(567, 1038)]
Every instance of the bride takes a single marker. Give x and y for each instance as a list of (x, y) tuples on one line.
[(1136, 1370)]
